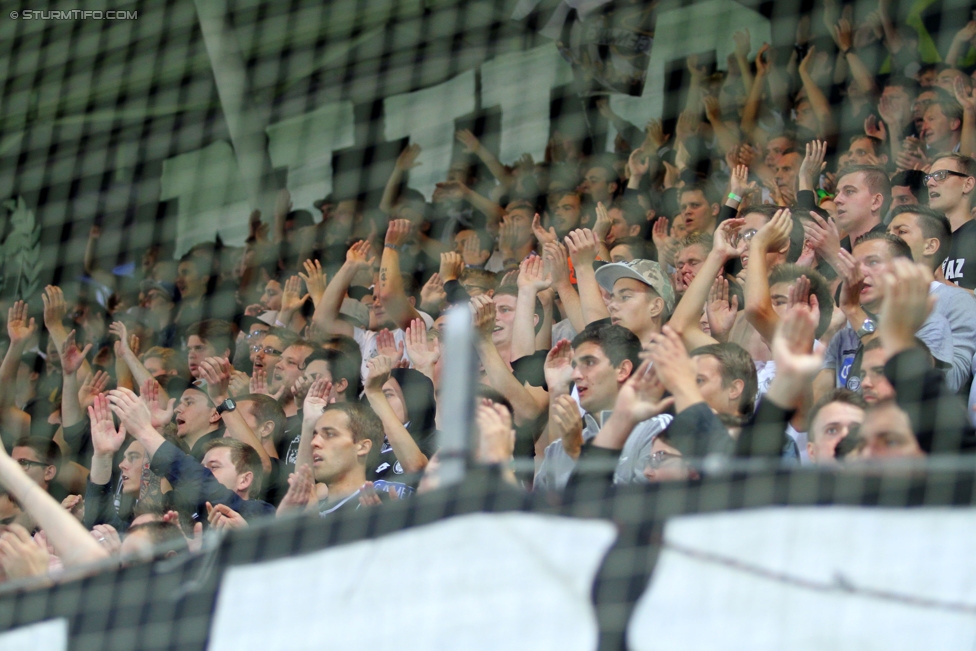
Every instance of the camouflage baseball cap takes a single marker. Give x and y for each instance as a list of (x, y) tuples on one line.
[(645, 271)]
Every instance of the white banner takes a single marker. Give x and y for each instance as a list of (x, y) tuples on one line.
[(481, 581)]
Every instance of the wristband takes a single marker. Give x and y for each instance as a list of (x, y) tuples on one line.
[(390, 246), (735, 197)]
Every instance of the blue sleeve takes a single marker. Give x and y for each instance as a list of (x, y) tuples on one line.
[(193, 484)]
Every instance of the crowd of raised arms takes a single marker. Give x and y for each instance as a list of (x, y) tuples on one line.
[(786, 275)]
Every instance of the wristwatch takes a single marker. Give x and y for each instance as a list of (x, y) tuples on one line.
[(867, 328), (225, 406)]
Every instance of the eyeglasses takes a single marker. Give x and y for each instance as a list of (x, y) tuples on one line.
[(942, 175), (27, 463), (268, 350), (744, 236), (257, 334)]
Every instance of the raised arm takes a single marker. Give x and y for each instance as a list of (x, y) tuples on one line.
[(20, 329), (554, 253), (583, 246), (391, 293), (140, 374), (498, 375), (687, 313), (404, 447), (217, 371), (319, 395), (818, 101), (759, 305), (326, 317), (69, 538), (473, 146), (531, 281), (72, 359), (91, 266), (406, 161)]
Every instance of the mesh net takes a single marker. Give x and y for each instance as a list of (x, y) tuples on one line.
[(132, 136)]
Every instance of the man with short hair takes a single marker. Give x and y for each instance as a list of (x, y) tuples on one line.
[(786, 172), (197, 420), (599, 184), (603, 359), (699, 211), (874, 385), (194, 484), (338, 441), (926, 232), (726, 377), (942, 126), (830, 420), (565, 209), (951, 182), (861, 296), (210, 338), (41, 460), (867, 150), (908, 189)]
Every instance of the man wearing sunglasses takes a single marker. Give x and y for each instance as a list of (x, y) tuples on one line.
[(951, 181)]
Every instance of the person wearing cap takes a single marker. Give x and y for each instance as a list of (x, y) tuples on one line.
[(641, 296)]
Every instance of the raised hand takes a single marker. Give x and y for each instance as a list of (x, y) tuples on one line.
[(216, 371), (94, 384), (905, 306), (301, 491), (118, 329), (774, 234), (638, 163), (71, 357), (132, 412), (721, 309), (397, 232), (407, 160), (666, 245), (558, 367), (813, 164), (792, 345), (291, 299), (822, 234), (469, 140), (314, 278), (451, 266), (739, 183), (555, 257), (55, 308), (483, 311), (850, 273), (20, 555), (320, 395), (601, 228), (20, 327), (432, 294), (471, 251), (875, 128), (423, 352), (764, 59), (360, 255), (160, 415), (223, 517), (724, 238), (532, 276), (655, 137), (674, 367), (496, 436), (106, 440), (583, 247), (642, 395), (379, 372), (259, 381), (566, 424), (542, 236), (387, 346), (240, 383)]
